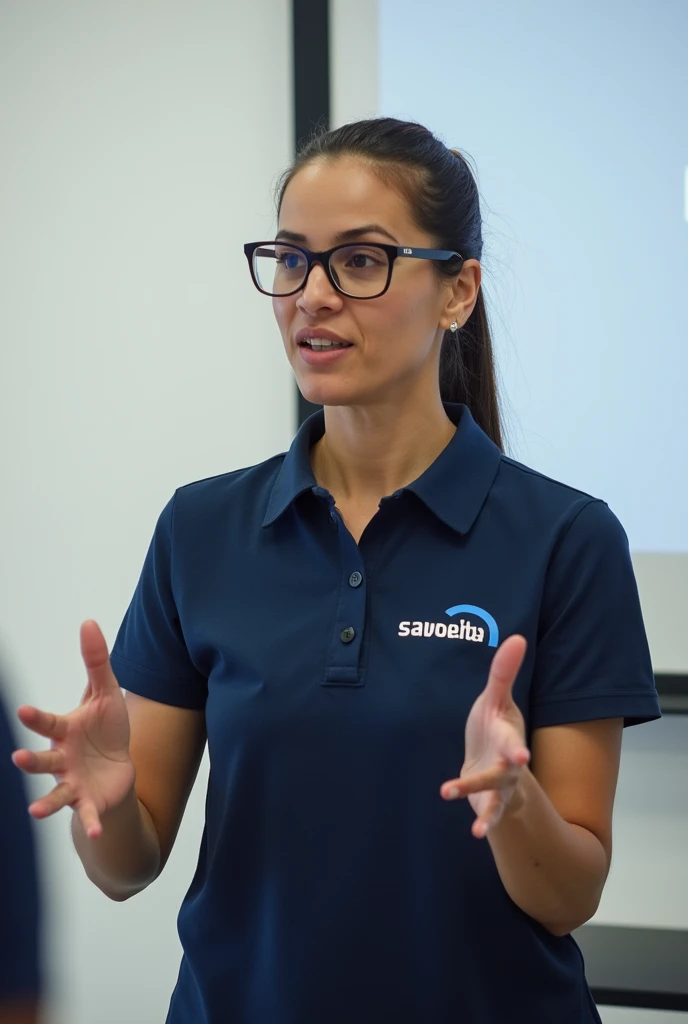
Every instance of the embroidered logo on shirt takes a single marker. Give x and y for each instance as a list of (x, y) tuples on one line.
[(461, 630)]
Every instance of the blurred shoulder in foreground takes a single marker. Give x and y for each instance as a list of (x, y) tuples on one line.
[(20, 905)]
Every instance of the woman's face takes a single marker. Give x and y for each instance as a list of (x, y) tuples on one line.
[(395, 339)]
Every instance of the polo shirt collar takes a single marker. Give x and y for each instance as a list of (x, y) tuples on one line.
[(454, 487)]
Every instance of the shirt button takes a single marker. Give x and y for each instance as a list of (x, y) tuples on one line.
[(355, 579), (347, 635)]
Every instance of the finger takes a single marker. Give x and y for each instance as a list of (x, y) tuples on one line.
[(96, 657), (45, 723), (505, 666), (36, 762), (515, 753), (90, 819), (518, 756), (500, 777), (508, 743), (59, 797), (489, 817)]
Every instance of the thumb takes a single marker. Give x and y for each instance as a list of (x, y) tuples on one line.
[(94, 651), (505, 667)]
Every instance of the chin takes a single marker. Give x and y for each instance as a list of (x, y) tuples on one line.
[(325, 396), (328, 393)]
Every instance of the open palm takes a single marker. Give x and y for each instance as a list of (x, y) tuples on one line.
[(89, 747), (495, 750)]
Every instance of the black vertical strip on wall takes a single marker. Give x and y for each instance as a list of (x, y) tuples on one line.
[(311, 71)]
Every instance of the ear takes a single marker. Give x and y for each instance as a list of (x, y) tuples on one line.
[(461, 294)]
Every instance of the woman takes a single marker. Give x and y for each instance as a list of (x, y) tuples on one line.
[(412, 657)]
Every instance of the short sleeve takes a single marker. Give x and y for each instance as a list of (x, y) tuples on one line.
[(20, 897), (592, 658), (150, 656)]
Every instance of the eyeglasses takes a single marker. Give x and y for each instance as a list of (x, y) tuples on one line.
[(361, 271)]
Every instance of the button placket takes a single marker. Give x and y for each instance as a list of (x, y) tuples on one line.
[(345, 648)]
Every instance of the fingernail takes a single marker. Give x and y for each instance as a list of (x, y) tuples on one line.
[(453, 793)]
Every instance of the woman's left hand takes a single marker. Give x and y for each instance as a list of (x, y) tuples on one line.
[(495, 743)]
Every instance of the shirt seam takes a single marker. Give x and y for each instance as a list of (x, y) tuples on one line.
[(233, 472), (558, 544), (592, 501), (172, 518), (174, 596), (543, 476)]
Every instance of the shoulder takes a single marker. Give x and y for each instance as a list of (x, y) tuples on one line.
[(551, 507), (239, 492), (236, 481), (530, 481)]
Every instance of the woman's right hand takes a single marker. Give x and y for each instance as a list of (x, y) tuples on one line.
[(89, 747)]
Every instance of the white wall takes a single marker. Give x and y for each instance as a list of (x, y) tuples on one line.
[(141, 142), (663, 585)]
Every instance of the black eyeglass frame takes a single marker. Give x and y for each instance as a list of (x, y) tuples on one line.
[(323, 257)]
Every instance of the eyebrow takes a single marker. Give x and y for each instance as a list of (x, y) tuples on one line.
[(343, 236)]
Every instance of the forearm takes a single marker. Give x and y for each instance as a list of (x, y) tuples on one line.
[(125, 857), (553, 870)]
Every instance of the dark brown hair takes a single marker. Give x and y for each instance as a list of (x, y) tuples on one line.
[(443, 197)]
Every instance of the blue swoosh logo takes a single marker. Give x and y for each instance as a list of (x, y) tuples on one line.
[(471, 609)]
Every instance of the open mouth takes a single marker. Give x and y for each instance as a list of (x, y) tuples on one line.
[(318, 345)]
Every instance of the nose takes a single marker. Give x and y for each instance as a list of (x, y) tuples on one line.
[(318, 292)]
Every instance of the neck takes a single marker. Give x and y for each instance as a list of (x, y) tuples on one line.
[(368, 452)]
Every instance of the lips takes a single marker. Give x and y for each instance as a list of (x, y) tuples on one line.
[(323, 357), (320, 333)]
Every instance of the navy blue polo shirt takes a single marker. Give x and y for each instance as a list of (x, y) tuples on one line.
[(334, 884)]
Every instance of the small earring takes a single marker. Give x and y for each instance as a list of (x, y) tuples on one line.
[(453, 327)]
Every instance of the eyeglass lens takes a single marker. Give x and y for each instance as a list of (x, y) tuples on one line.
[(359, 270)]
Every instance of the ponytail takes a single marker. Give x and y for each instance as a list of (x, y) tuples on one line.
[(467, 371)]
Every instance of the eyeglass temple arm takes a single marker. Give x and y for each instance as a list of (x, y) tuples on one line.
[(428, 254)]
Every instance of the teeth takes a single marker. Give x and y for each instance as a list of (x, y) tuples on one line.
[(321, 343)]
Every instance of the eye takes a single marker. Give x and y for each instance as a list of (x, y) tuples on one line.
[(364, 259), (289, 259)]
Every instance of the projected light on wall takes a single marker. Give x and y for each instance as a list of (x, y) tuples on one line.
[(574, 117)]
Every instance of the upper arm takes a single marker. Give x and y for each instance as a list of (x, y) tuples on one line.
[(166, 747), (577, 765)]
